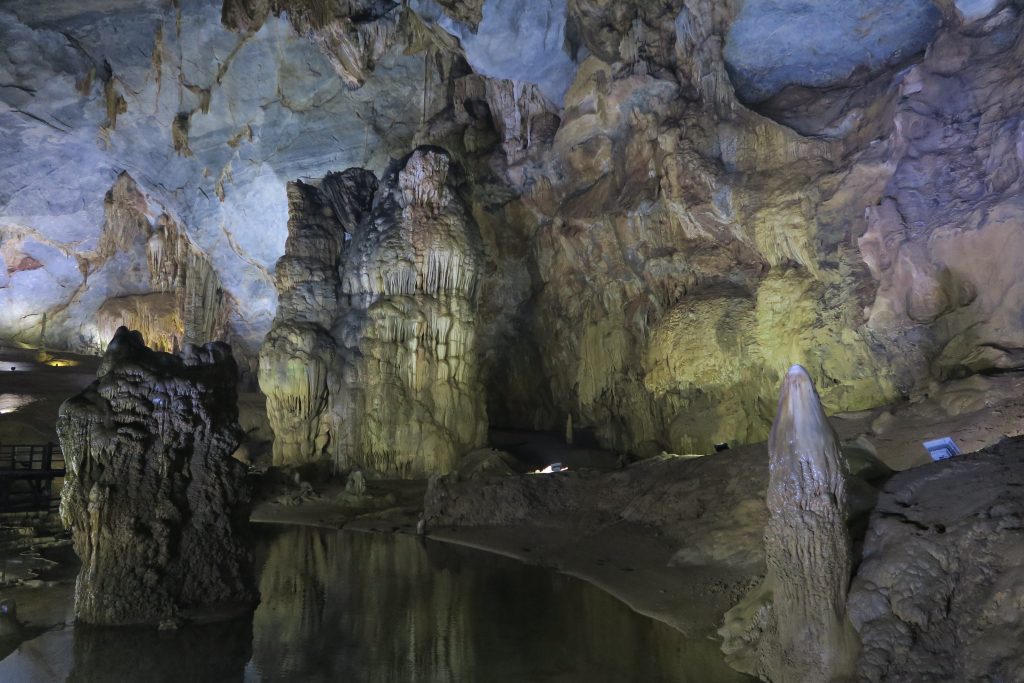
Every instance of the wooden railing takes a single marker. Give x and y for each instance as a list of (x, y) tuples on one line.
[(27, 477)]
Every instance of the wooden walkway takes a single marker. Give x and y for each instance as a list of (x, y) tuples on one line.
[(27, 476)]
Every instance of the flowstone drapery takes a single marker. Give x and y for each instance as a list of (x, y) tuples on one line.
[(377, 369)]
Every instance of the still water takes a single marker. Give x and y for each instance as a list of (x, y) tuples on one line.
[(352, 607)]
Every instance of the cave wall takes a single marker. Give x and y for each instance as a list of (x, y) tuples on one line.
[(675, 200)]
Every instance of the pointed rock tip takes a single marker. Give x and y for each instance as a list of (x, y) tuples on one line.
[(798, 386), (798, 371)]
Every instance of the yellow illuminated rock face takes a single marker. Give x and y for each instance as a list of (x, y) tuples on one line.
[(379, 369), (299, 352), (184, 302), (410, 400)]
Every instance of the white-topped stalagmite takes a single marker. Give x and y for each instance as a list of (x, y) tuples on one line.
[(794, 626)]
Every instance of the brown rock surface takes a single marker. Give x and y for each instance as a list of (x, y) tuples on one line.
[(938, 594)]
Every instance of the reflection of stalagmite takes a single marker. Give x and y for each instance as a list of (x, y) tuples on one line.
[(152, 495), (794, 627), (296, 577), (324, 594), (208, 652)]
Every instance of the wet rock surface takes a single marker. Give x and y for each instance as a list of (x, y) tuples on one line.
[(155, 502)]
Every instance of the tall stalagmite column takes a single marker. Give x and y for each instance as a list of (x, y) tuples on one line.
[(299, 352), (152, 495), (410, 399), (794, 627), (372, 357)]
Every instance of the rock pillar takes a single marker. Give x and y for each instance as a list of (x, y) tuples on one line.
[(152, 495), (794, 627)]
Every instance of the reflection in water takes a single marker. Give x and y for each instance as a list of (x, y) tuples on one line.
[(387, 609), (212, 653), (390, 609)]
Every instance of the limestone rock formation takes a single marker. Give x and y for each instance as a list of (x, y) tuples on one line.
[(944, 269), (516, 40), (381, 369), (208, 120), (676, 200), (185, 302), (822, 44), (354, 35), (794, 627), (410, 399), (299, 352), (938, 594), (155, 502)]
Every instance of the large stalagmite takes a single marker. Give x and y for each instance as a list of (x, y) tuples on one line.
[(794, 627), (410, 399), (299, 351), (379, 368), (152, 495)]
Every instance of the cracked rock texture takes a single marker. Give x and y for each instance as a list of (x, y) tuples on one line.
[(938, 594), (675, 201), (378, 368), (154, 500)]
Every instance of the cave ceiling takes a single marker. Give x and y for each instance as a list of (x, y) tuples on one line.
[(674, 200)]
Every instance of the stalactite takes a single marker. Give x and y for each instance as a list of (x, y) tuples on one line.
[(125, 221), (351, 44), (157, 316), (177, 269)]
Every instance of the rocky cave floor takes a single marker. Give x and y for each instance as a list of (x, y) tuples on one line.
[(676, 537)]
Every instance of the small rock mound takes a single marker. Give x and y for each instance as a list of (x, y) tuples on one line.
[(938, 595)]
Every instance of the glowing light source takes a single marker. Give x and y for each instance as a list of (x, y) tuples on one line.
[(941, 448), (10, 403), (551, 469)]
